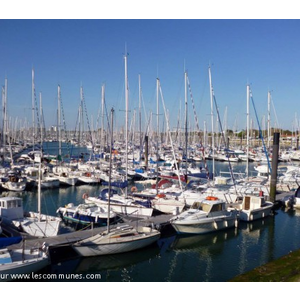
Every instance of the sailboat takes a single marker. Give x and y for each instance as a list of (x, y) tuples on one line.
[(37, 224), (122, 238), (22, 261)]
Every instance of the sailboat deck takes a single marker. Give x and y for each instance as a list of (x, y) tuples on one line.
[(72, 237)]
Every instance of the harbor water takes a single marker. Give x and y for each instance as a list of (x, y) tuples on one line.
[(216, 257)]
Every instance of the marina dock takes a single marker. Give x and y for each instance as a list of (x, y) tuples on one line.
[(160, 222)]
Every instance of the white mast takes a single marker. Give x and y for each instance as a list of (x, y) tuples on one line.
[(5, 125), (248, 128), (269, 108), (39, 188), (140, 115), (157, 114), (42, 118), (33, 105), (110, 167), (58, 120), (157, 128), (126, 118), (212, 120), (102, 121), (186, 122)]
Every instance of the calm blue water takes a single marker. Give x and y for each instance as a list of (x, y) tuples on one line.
[(214, 257)]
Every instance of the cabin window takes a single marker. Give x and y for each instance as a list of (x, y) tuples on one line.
[(216, 207), (206, 207), (196, 205)]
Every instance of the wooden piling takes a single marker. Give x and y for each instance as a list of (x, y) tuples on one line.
[(273, 181)]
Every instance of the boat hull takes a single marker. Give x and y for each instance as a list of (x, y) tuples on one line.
[(114, 243), (256, 214), (22, 263), (47, 226), (204, 226), (125, 209)]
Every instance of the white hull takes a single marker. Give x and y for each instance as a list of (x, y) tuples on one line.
[(89, 180), (205, 226), (168, 206), (114, 242), (14, 186), (125, 209), (47, 226), (252, 208), (21, 262), (251, 215), (67, 180), (296, 203)]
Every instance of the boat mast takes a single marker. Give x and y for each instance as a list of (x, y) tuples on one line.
[(59, 121), (110, 167), (157, 128), (212, 121), (39, 188), (269, 108), (33, 106), (42, 119), (126, 119), (5, 131), (140, 115), (102, 112), (248, 128), (186, 124)]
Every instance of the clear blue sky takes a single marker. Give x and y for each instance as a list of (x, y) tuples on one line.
[(263, 53)]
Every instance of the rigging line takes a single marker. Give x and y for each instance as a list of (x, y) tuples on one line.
[(37, 117), (225, 143), (171, 141), (193, 103), (275, 114), (65, 126), (87, 120), (260, 132), (108, 122)]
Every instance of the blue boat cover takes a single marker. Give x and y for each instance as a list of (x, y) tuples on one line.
[(120, 184), (7, 241)]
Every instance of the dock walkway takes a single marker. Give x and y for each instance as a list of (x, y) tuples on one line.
[(67, 239)]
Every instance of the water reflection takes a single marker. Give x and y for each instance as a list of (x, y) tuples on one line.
[(213, 242), (116, 261)]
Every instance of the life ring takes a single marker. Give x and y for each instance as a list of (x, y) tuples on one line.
[(85, 196), (211, 198), (134, 189), (161, 195)]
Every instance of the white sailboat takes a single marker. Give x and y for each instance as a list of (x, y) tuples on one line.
[(22, 261), (118, 240), (123, 238), (36, 223)]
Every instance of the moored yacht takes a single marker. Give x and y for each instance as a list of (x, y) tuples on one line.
[(205, 216)]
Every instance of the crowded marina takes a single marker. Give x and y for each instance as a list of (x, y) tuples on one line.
[(136, 211), (152, 184)]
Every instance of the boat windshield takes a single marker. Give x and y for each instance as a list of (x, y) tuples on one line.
[(201, 206)]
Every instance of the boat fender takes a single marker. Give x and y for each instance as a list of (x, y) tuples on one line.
[(85, 196)]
